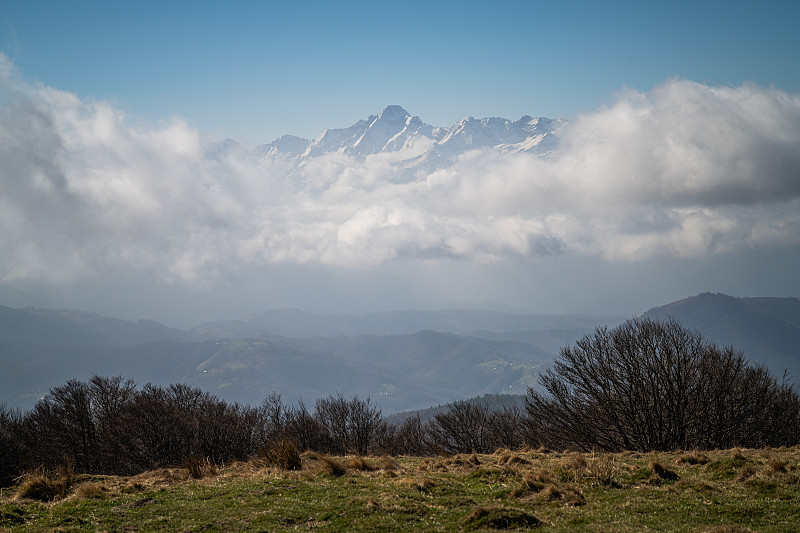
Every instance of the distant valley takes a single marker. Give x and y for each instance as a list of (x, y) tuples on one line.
[(402, 360)]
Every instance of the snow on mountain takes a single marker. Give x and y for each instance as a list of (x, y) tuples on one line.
[(412, 146)]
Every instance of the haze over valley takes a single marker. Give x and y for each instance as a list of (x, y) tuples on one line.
[(315, 199)]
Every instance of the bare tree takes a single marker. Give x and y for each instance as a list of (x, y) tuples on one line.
[(463, 428), (650, 385)]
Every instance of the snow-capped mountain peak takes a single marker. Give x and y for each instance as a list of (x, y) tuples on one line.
[(419, 146)]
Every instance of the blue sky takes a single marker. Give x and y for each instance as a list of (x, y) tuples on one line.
[(679, 171), (256, 70)]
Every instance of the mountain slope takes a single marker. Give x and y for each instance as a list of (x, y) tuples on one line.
[(767, 330), (477, 322), (407, 145), (41, 348)]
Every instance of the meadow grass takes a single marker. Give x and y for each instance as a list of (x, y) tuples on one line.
[(715, 492)]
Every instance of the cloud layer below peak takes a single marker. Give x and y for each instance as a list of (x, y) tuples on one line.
[(681, 171)]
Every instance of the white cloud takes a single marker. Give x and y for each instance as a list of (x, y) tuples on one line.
[(685, 170)]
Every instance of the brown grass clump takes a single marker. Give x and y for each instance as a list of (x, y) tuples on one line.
[(778, 466), (551, 493), (512, 459), (603, 470), (199, 468), (568, 494), (576, 461), (92, 491), (359, 463), (499, 517), (661, 473), (533, 482), (746, 473), (739, 456), (283, 454), (387, 464), (425, 485), (693, 458), (732, 528), (572, 467), (328, 465), (43, 486)]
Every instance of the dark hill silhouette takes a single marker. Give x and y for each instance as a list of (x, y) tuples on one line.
[(766, 329)]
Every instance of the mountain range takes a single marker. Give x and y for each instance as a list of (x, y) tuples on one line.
[(410, 144), (403, 360)]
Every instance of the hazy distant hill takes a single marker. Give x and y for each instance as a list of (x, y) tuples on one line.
[(42, 348), (403, 360), (72, 325), (297, 323), (767, 330)]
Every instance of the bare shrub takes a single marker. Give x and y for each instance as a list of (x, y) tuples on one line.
[(351, 425), (650, 385), (463, 428)]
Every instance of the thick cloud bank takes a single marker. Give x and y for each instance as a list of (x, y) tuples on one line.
[(684, 170)]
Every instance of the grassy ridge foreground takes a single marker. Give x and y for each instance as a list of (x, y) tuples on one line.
[(721, 491)]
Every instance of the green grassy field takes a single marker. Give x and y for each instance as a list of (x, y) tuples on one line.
[(722, 491)]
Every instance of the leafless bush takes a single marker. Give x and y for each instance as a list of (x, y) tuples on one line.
[(351, 425), (650, 385), (463, 428)]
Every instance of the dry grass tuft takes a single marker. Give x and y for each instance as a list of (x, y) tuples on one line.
[(693, 458), (551, 493), (43, 486), (425, 485), (512, 459), (603, 470), (727, 529), (533, 482), (661, 473), (283, 454), (92, 491), (576, 462), (567, 493), (746, 473), (199, 468), (778, 466), (359, 463), (739, 456), (499, 517), (527, 486), (387, 464), (328, 465)]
